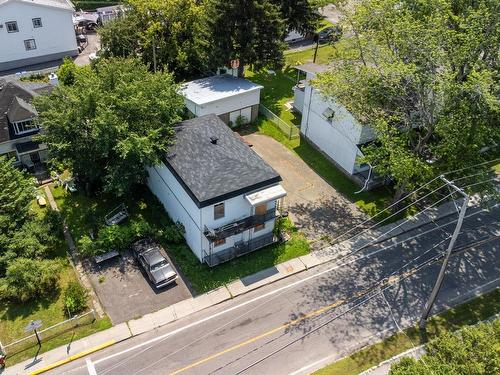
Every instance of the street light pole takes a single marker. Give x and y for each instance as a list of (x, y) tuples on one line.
[(439, 282)]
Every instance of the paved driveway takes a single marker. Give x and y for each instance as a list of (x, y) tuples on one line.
[(314, 205), (125, 291)]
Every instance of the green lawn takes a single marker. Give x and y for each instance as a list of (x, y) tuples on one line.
[(15, 316), (472, 312), (76, 208)]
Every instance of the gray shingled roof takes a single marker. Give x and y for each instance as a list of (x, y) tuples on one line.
[(214, 172), (20, 110), (9, 91)]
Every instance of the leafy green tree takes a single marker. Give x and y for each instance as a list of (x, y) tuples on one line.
[(425, 77), (172, 29), (249, 30), (115, 119), (472, 351), (300, 15), (28, 279), (16, 193)]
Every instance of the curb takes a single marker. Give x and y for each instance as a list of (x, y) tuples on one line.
[(73, 357)]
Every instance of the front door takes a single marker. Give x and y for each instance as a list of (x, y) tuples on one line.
[(35, 157)]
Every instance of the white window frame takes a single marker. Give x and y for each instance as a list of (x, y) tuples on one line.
[(31, 44), (37, 22), (23, 124), (12, 23), (223, 211)]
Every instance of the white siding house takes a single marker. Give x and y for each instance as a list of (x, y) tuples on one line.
[(223, 95), (224, 194), (35, 31), (330, 127)]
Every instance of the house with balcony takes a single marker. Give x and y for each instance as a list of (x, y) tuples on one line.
[(224, 194), (231, 98), (19, 124), (331, 128), (35, 31)]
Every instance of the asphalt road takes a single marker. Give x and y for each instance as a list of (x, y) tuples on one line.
[(303, 322)]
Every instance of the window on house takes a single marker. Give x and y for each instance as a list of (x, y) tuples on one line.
[(11, 27), (220, 242), (25, 126), (29, 44), (37, 22), (218, 211)]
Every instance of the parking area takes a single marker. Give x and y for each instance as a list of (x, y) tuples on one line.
[(314, 206), (125, 291)]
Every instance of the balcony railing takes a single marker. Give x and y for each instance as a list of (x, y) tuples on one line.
[(238, 226), (239, 249)]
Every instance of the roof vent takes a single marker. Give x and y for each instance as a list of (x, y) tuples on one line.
[(214, 140)]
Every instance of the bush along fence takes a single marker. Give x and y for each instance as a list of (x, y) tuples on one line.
[(290, 131), (47, 334)]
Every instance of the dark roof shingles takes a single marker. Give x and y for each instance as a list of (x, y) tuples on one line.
[(210, 171)]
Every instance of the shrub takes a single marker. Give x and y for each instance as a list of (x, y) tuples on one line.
[(174, 233), (75, 297), (115, 237), (86, 246), (27, 279)]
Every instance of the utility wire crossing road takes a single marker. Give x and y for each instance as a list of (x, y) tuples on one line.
[(300, 323)]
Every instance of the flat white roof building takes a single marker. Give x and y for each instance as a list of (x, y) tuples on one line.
[(226, 96)]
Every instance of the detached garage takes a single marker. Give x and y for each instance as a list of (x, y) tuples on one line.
[(224, 95)]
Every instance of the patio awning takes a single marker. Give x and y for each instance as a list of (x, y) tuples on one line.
[(266, 195)]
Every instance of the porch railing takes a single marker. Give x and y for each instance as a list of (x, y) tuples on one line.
[(239, 226), (239, 249)]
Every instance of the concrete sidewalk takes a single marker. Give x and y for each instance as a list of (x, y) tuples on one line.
[(238, 287)]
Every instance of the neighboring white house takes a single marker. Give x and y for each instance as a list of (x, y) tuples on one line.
[(330, 126), (223, 193), (107, 14), (18, 123), (35, 31), (224, 95)]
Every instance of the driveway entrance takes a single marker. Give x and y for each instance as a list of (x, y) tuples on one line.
[(314, 206)]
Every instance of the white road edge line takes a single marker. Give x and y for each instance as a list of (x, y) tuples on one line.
[(90, 367), (272, 292)]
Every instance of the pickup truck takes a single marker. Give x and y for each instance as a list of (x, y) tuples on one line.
[(150, 256)]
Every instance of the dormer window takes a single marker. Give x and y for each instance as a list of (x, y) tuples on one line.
[(26, 126)]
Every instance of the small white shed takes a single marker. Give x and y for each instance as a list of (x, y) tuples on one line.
[(224, 95)]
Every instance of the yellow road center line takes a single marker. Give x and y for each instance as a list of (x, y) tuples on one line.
[(261, 336)]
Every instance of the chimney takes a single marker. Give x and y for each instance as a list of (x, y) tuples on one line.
[(53, 80), (214, 140)]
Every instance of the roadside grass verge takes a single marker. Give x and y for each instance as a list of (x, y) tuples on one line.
[(469, 313), (77, 207)]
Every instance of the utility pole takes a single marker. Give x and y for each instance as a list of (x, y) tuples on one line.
[(458, 227), (316, 40), (154, 55)]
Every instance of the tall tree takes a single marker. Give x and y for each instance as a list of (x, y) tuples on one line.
[(169, 34), (115, 119), (425, 77), (249, 30), (300, 15), (472, 351), (16, 194)]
